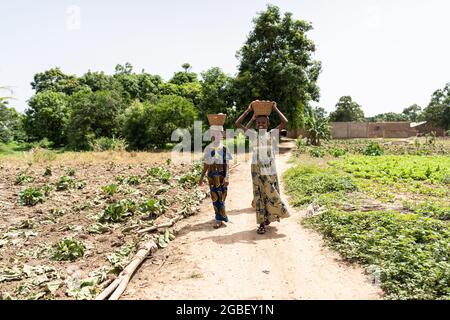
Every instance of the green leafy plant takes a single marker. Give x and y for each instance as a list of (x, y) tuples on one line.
[(23, 178), (132, 180), (337, 152), (31, 197), (68, 250), (118, 212), (47, 189), (110, 189), (154, 207), (160, 173), (317, 152), (373, 149), (120, 258), (64, 183)]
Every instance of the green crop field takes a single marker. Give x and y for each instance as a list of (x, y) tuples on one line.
[(389, 212)]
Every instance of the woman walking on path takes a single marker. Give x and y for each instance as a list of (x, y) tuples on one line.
[(216, 160), (266, 190)]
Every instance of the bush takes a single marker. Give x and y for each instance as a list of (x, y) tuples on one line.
[(108, 144), (337, 152), (150, 125), (373, 149), (94, 115)]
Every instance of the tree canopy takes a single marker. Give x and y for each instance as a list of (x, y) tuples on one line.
[(347, 110), (276, 63)]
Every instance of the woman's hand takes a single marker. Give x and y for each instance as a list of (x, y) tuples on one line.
[(226, 181), (200, 182)]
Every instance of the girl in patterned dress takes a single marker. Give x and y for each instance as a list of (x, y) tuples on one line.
[(216, 160)]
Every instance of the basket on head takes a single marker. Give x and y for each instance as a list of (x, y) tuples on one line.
[(217, 119), (262, 108)]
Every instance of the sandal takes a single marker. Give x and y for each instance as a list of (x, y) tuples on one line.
[(261, 229), (218, 224)]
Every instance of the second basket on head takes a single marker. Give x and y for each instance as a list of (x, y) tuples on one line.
[(262, 108), (217, 119)]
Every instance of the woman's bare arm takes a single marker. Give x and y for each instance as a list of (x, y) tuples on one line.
[(242, 117), (202, 177)]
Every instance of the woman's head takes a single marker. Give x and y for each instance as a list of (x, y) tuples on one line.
[(262, 122)]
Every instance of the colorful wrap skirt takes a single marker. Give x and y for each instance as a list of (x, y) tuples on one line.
[(266, 193), (216, 177)]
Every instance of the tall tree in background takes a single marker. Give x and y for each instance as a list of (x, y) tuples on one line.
[(93, 115), (438, 110), (55, 80), (216, 95), (47, 117), (347, 110), (276, 63), (412, 112)]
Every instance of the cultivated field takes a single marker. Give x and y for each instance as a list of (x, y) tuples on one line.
[(70, 222), (385, 204)]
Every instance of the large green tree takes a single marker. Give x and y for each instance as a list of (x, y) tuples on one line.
[(47, 116), (149, 125), (347, 110), (10, 123), (413, 112), (55, 80), (216, 93), (93, 115), (389, 117), (438, 110), (276, 63), (185, 84)]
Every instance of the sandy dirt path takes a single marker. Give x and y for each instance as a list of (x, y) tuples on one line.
[(288, 262)]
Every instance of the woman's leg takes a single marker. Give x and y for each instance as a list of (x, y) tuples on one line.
[(275, 207), (258, 195)]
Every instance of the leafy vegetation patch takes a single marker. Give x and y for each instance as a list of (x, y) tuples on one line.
[(309, 183), (31, 197), (68, 250), (404, 241), (409, 252), (118, 212)]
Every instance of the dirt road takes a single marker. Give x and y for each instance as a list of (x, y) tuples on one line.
[(288, 262)]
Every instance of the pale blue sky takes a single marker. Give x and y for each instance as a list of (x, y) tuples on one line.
[(386, 54)]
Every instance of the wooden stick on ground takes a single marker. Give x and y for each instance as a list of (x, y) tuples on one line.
[(164, 225), (118, 286)]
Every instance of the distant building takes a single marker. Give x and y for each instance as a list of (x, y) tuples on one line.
[(401, 129)]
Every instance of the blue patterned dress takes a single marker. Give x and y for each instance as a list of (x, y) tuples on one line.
[(217, 158)]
